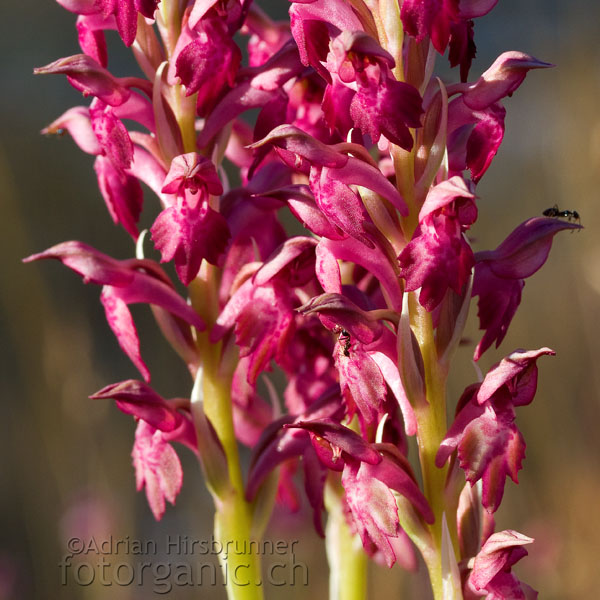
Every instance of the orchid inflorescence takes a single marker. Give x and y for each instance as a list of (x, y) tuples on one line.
[(378, 159)]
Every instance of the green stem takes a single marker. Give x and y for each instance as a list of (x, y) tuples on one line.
[(233, 515), (169, 10), (347, 559), (217, 407), (404, 167), (240, 564), (184, 107), (432, 427)]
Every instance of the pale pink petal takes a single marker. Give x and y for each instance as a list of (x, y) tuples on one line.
[(499, 553), (77, 122), (157, 467)]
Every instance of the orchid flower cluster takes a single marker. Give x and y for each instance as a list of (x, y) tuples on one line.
[(378, 160)]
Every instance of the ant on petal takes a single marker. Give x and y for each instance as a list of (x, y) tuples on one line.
[(344, 339), (571, 215)]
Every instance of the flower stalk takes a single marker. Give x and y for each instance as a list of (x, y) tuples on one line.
[(347, 561), (233, 525)]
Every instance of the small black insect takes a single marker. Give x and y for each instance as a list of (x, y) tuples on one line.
[(571, 215), (344, 338)]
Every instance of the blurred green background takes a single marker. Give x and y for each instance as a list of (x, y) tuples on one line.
[(66, 467)]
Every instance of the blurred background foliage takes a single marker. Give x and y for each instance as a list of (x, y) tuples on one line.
[(66, 468)]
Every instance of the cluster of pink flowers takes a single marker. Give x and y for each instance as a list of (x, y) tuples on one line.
[(378, 160)]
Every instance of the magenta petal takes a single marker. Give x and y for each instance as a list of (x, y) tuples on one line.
[(208, 64), (150, 171), (526, 249), (278, 443), (327, 270), (489, 445), (241, 98), (295, 255), (189, 235), (469, 9), (490, 448), (185, 37), (232, 310), (474, 136), (140, 400), (498, 302), (311, 23), (501, 79), (506, 461), (359, 48), (92, 265), (512, 368), (484, 141), (193, 172), (124, 284), (80, 7), (358, 172), (468, 413), (461, 49), (443, 194), (486, 438), (297, 141), (315, 477), (275, 446), (341, 437), (126, 16), (263, 329), (121, 322), (263, 320), (389, 108), (199, 10), (122, 193), (373, 260), (417, 17), (435, 261), (373, 508), (279, 69), (394, 471), (150, 290), (251, 414), (499, 274), (336, 106), (362, 383), (389, 370), (439, 257), (157, 467), (499, 553), (86, 75), (91, 38), (137, 108), (342, 207), (305, 209), (345, 314), (147, 7), (112, 135)]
